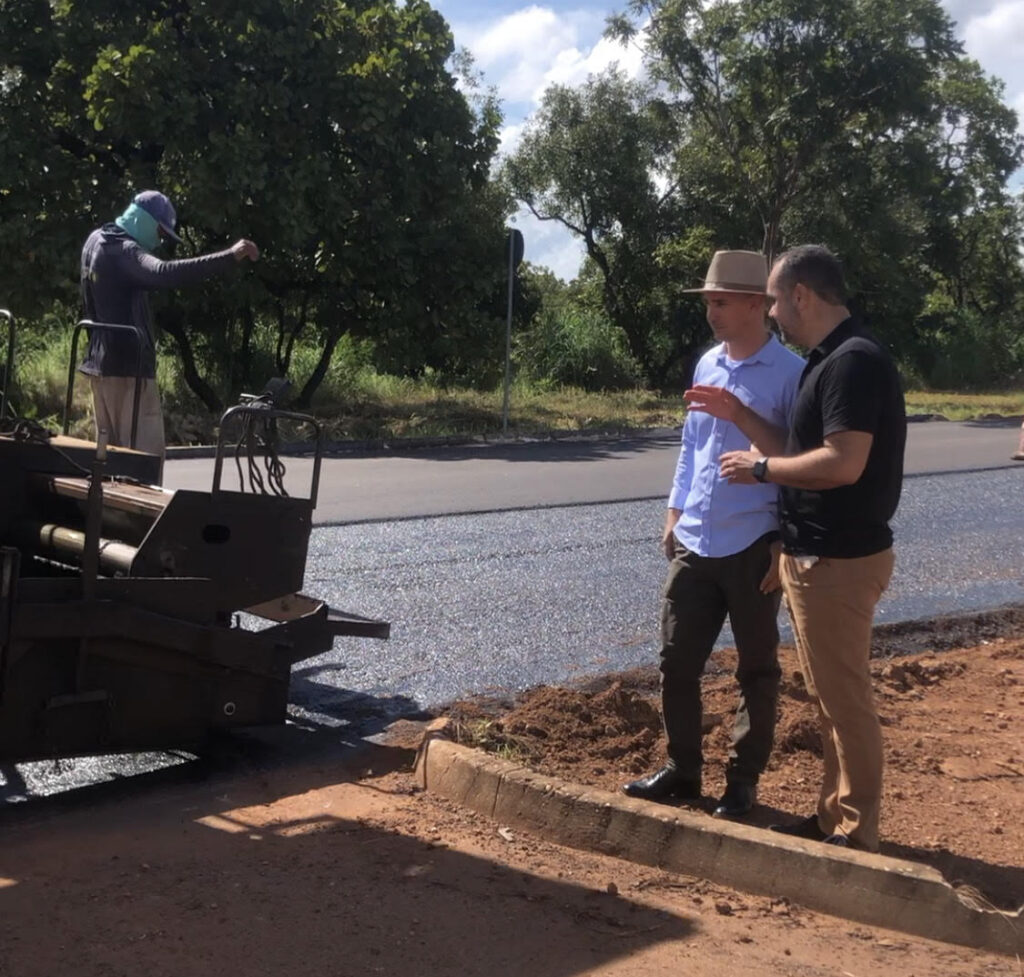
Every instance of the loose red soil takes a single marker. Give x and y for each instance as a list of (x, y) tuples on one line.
[(951, 723)]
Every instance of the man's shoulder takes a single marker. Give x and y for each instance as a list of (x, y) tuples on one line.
[(111, 239), (783, 357), (709, 359), (859, 350)]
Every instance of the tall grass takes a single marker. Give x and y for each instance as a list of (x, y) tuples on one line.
[(356, 402)]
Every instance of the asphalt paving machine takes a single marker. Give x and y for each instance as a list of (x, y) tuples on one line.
[(136, 618)]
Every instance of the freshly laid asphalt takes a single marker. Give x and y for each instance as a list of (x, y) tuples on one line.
[(502, 601), (550, 570)]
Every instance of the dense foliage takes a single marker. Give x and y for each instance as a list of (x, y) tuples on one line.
[(766, 123), (333, 134), (350, 141)]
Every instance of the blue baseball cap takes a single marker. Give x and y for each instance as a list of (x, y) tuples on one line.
[(160, 209)]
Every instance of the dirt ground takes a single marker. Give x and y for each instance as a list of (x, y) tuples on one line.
[(954, 753), (339, 866)]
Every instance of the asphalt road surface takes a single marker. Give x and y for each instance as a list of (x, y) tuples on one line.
[(551, 569), (409, 483)]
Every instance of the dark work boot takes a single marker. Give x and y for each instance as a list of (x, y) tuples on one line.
[(737, 800), (662, 785)]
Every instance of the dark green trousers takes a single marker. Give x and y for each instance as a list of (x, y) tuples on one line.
[(698, 594)]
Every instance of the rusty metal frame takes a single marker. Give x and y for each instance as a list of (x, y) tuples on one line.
[(269, 412)]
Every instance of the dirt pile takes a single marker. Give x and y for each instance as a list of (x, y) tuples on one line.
[(613, 729), (951, 724)]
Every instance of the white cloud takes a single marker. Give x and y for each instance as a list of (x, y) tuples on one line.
[(517, 51), (994, 36), (572, 67), (548, 243), (510, 136)]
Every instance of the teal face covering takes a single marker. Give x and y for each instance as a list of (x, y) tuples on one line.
[(140, 225)]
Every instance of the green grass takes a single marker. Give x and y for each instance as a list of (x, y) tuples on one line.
[(963, 407), (356, 403), (417, 410)]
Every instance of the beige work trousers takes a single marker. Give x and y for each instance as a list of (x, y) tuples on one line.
[(112, 409), (832, 604)]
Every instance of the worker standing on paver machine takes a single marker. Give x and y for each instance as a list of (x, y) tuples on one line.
[(119, 271)]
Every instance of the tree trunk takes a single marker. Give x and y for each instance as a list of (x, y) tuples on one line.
[(305, 397), (173, 323)]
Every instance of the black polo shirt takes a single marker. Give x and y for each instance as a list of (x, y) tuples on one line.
[(850, 383)]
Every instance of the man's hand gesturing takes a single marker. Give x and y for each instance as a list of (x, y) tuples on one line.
[(716, 401), (245, 249)]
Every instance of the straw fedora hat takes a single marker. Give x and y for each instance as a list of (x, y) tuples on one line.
[(736, 271)]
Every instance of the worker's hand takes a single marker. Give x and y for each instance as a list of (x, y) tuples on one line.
[(716, 401), (245, 249), (771, 580), (738, 467)]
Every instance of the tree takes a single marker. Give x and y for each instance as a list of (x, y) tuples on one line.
[(332, 133), (856, 122), (597, 160)]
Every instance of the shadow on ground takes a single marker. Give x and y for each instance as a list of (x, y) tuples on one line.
[(198, 878)]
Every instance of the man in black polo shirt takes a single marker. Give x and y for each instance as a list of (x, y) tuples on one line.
[(841, 477)]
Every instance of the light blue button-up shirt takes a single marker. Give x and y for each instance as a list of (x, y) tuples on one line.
[(719, 519)]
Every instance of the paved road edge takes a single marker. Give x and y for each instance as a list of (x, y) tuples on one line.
[(871, 889)]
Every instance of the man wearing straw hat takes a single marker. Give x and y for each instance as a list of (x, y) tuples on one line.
[(722, 539), (118, 273)]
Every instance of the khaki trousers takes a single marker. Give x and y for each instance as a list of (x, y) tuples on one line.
[(112, 409), (832, 604)]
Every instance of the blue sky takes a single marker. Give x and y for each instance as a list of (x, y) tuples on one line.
[(522, 47)]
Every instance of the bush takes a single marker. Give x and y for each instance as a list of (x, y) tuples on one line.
[(576, 346), (969, 350)]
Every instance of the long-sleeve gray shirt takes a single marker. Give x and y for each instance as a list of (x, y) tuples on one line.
[(117, 277)]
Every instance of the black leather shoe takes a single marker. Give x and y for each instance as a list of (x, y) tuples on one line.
[(663, 784), (807, 828), (737, 800)]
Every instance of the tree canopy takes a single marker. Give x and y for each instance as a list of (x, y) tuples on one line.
[(767, 123), (335, 134)]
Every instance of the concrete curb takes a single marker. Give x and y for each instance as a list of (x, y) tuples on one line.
[(864, 888)]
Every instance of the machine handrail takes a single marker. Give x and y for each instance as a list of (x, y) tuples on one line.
[(9, 364), (262, 411), (113, 327)]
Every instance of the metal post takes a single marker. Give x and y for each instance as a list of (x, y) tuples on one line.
[(508, 329), (9, 365), (94, 519)]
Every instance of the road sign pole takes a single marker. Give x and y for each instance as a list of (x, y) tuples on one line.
[(508, 329)]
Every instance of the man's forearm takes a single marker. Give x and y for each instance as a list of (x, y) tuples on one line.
[(816, 470), (152, 273)]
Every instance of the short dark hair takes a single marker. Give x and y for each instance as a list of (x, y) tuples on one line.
[(816, 267)]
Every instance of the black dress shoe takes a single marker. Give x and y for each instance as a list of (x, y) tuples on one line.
[(663, 784), (807, 828), (737, 800)]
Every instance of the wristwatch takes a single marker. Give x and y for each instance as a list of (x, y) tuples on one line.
[(760, 470)]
